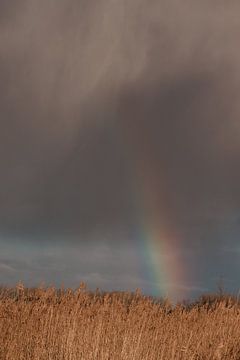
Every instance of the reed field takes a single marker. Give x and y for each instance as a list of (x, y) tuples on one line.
[(65, 324)]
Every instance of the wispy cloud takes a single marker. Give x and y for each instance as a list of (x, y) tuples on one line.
[(6, 268)]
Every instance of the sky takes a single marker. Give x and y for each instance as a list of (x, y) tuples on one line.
[(120, 145)]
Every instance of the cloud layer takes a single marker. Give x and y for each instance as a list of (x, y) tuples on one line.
[(89, 88)]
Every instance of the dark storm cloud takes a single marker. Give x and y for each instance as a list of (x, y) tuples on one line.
[(72, 73), (191, 137), (187, 133)]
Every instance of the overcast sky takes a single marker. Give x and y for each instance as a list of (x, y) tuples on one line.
[(100, 101)]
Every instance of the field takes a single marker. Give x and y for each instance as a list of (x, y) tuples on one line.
[(50, 324)]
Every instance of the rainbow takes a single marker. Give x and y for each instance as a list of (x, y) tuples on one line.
[(159, 247)]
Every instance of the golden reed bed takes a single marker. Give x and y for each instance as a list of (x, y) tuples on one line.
[(49, 324)]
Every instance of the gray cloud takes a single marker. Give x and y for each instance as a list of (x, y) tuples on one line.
[(94, 94)]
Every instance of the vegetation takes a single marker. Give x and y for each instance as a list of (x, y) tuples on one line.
[(51, 324)]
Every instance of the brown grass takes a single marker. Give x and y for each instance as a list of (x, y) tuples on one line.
[(49, 324)]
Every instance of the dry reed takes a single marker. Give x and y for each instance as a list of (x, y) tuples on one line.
[(50, 324)]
